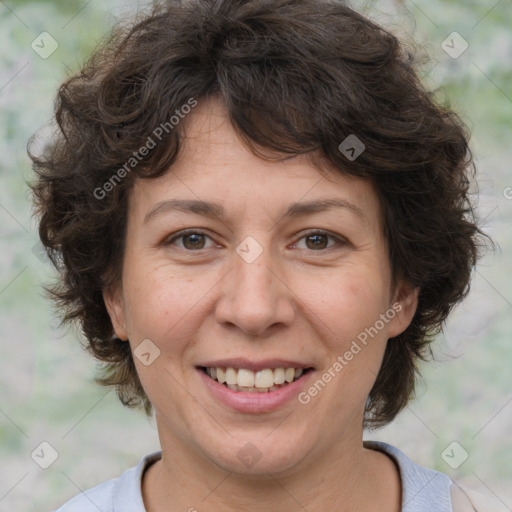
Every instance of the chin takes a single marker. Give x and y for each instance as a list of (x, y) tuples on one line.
[(258, 454)]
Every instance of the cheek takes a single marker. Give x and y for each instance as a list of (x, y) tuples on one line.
[(355, 339), (165, 305), (150, 298), (349, 301)]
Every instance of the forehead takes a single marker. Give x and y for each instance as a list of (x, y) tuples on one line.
[(215, 166), (211, 138)]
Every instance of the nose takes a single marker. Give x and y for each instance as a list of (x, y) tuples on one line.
[(255, 296)]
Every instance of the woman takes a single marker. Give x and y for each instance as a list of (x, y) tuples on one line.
[(261, 219)]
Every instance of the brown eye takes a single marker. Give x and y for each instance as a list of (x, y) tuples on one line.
[(190, 240), (193, 241), (318, 241)]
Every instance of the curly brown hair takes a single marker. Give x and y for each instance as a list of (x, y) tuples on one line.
[(297, 77)]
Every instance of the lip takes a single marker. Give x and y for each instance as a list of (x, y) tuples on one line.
[(255, 403), (254, 365)]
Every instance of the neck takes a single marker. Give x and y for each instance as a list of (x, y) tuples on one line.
[(346, 478)]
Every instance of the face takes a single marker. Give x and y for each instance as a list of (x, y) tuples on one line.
[(258, 273)]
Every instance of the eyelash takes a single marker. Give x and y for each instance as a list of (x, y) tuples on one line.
[(182, 234)]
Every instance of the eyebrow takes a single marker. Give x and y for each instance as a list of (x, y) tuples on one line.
[(215, 210)]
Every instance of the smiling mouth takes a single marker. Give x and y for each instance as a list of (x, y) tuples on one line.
[(248, 381)]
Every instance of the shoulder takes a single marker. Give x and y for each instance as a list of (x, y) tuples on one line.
[(100, 497), (421, 487), (121, 494)]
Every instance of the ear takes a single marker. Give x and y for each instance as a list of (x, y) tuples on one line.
[(405, 303), (113, 298)]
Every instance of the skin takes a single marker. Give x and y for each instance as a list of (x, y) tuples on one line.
[(295, 301)]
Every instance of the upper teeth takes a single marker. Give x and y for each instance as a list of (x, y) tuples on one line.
[(262, 379)]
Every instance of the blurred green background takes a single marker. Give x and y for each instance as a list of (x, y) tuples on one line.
[(46, 380)]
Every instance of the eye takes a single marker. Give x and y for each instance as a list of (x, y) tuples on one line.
[(195, 240), (318, 240), (191, 240)]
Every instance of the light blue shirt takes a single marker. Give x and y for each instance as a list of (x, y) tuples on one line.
[(423, 490)]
